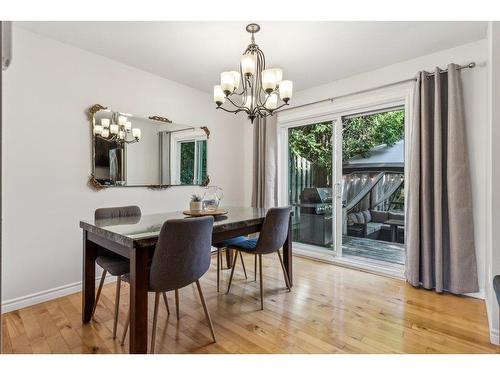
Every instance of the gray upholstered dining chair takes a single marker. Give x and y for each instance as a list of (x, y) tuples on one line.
[(182, 256), (272, 237), (112, 263), (227, 244)]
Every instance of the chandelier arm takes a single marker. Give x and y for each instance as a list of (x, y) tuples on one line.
[(235, 111)]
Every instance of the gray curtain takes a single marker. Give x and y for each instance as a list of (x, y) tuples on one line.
[(440, 234), (264, 187)]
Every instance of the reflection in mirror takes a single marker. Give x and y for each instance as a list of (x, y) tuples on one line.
[(135, 151)]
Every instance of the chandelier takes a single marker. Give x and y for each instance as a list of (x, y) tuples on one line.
[(254, 90), (117, 129)]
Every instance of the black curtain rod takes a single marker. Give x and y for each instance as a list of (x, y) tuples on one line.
[(468, 66)]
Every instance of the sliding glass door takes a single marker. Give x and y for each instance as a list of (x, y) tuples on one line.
[(310, 184), (346, 186)]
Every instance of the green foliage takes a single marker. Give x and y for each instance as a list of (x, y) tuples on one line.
[(187, 163), (360, 135)]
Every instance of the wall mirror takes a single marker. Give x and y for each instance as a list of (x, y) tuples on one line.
[(134, 151)]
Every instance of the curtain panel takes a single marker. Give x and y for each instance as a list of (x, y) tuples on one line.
[(264, 187), (440, 232)]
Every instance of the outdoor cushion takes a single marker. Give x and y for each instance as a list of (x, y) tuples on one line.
[(367, 215), (360, 218), (372, 228)]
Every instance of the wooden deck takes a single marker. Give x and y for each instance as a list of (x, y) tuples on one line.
[(330, 310)]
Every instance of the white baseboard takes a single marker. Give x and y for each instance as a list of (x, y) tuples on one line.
[(494, 336), (46, 295)]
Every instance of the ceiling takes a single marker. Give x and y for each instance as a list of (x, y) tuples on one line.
[(310, 53)]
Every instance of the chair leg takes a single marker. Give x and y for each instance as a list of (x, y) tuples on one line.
[(243, 264), (117, 304), (218, 269), (232, 272), (101, 283), (166, 302), (207, 315), (261, 286), (155, 321), (287, 280), (177, 303), (255, 267), (125, 328)]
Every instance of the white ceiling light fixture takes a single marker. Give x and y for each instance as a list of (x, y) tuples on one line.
[(261, 88)]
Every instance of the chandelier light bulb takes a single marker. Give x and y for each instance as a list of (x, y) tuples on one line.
[(286, 89), (237, 79), (136, 133), (269, 81), (113, 129), (248, 64), (249, 102), (98, 129), (128, 126), (121, 134), (227, 82), (271, 101), (105, 133), (122, 120), (278, 74), (105, 123), (219, 97)]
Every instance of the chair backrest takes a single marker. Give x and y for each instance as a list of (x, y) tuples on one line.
[(182, 253), (117, 212), (274, 230)]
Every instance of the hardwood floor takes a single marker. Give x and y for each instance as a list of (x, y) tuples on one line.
[(330, 310)]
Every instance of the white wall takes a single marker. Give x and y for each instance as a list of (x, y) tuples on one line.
[(475, 86), (493, 167), (46, 156)]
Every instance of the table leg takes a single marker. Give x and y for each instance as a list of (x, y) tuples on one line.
[(138, 300), (287, 253), (229, 257), (88, 278)]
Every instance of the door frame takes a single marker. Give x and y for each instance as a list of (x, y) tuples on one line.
[(333, 111)]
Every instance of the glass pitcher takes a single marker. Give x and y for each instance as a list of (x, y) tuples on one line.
[(212, 197)]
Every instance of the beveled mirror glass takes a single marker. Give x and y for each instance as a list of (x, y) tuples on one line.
[(133, 151)]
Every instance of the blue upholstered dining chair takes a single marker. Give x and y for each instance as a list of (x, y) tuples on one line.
[(272, 237), (182, 256), (227, 245)]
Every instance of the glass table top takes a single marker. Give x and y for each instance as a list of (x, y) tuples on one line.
[(147, 226)]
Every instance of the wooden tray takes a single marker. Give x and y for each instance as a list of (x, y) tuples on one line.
[(217, 212)]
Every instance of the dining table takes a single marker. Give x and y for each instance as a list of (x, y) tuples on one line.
[(135, 238)]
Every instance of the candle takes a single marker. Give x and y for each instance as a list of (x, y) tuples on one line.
[(136, 132), (113, 129)]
